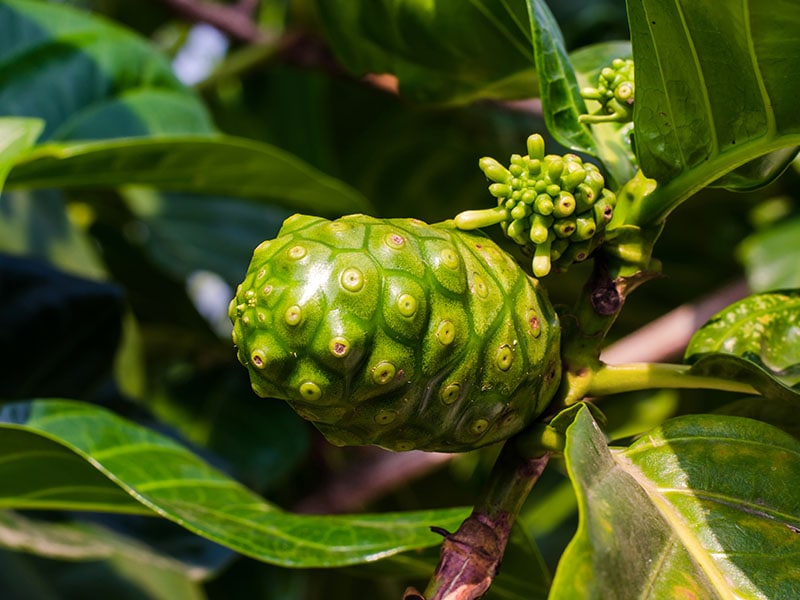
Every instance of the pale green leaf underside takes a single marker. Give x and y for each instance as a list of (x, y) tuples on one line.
[(704, 506), (70, 455), (222, 165)]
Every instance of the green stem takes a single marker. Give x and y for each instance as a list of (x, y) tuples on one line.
[(615, 379)]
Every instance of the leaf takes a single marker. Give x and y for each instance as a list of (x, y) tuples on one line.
[(771, 257), (756, 340), (431, 46), (715, 88), (16, 137), (88, 78), (562, 103), (64, 454), (704, 506), (210, 165)]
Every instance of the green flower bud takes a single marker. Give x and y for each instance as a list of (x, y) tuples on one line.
[(397, 333), (615, 93)]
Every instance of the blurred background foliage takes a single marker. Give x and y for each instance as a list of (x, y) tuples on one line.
[(166, 264)]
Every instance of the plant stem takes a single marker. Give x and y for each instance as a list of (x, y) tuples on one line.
[(614, 379), (470, 557)]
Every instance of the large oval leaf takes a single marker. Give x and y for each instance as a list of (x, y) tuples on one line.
[(209, 165), (716, 88), (705, 506), (88, 78), (756, 340), (70, 455), (431, 46)]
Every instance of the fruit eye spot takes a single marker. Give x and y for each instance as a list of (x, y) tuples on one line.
[(395, 240), (339, 347), (479, 426), (310, 391), (533, 324), (258, 359), (385, 417), (407, 305), (261, 274), (449, 258), (446, 332), (403, 446), (293, 315), (383, 372), (352, 279), (504, 358), (296, 252), (267, 290), (450, 393), (479, 286)]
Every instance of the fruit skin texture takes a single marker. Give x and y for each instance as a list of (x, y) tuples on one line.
[(397, 333)]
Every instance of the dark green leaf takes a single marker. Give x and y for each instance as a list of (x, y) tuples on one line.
[(63, 454), (755, 340), (88, 78), (705, 506), (209, 165), (562, 103), (771, 257), (715, 89), (431, 46), (777, 413)]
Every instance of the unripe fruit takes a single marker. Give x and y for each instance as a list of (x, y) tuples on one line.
[(397, 333)]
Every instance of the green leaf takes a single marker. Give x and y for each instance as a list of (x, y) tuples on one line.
[(756, 340), (771, 257), (210, 165), (562, 103), (612, 144), (16, 137), (85, 541), (715, 91), (431, 46), (88, 78), (70, 455), (704, 506)]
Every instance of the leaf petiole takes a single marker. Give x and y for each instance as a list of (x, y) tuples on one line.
[(615, 379)]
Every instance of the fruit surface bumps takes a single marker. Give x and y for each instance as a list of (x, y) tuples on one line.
[(396, 333)]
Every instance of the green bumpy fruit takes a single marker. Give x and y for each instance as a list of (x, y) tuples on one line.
[(555, 207), (397, 333)]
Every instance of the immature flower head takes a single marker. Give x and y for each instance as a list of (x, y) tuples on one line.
[(614, 91), (555, 207)]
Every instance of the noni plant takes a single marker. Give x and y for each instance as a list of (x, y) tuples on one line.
[(266, 333)]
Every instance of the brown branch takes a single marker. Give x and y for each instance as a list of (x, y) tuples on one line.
[(235, 21)]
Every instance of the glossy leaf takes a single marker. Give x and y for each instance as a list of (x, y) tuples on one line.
[(562, 103), (431, 46), (704, 506), (714, 91), (756, 340), (69, 455), (88, 78), (210, 165), (771, 257)]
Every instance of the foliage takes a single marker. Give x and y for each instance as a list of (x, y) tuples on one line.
[(136, 459)]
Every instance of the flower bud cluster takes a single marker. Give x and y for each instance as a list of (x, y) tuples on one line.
[(555, 207), (614, 91)]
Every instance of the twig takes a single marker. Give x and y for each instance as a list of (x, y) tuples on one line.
[(471, 556), (235, 21)]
